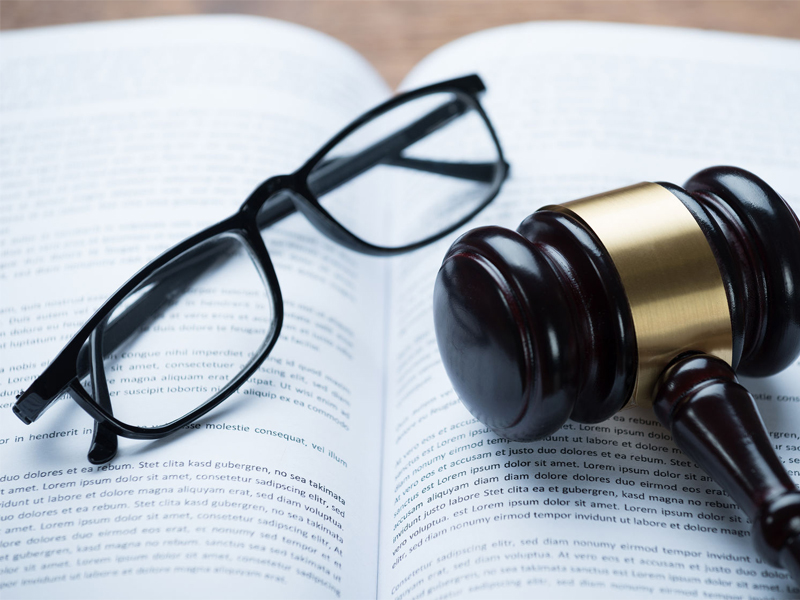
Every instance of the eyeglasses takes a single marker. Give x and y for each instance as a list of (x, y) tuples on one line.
[(401, 176)]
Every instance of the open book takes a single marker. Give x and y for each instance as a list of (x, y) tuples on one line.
[(347, 467)]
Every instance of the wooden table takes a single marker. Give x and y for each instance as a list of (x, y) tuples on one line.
[(395, 34)]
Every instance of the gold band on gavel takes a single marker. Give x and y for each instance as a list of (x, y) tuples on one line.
[(671, 278)]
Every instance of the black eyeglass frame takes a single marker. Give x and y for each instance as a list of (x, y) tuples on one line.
[(62, 376)]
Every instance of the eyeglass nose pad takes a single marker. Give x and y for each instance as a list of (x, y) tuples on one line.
[(104, 441)]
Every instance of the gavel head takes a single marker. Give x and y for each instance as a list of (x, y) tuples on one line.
[(578, 312)]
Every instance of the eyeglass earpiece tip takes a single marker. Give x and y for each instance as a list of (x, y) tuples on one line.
[(104, 445)]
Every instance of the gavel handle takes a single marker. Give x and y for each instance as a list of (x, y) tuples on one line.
[(715, 421)]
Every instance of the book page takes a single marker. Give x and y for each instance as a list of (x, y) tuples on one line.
[(613, 510), (118, 140)]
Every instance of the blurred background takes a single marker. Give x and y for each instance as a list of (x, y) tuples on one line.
[(394, 34)]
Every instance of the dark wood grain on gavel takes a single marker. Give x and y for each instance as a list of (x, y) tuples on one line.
[(535, 327), (715, 421)]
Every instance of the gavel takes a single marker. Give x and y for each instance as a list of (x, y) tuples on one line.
[(651, 294)]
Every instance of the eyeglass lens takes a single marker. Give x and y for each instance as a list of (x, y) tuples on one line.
[(211, 299), (421, 168)]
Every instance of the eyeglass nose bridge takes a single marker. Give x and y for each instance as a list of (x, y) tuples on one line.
[(265, 191), (272, 200)]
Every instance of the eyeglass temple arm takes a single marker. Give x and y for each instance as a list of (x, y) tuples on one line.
[(482, 172), (329, 175)]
